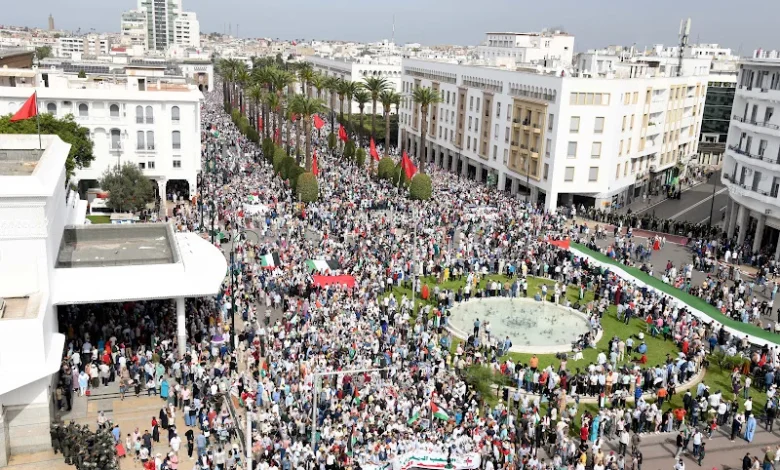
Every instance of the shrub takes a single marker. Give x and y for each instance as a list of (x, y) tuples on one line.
[(399, 177), (268, 150), (332, 141), (253, 135), (360, 157), (293, 174), (244, 126), (307, 188), (386, 168), (349, 150), (288, 163), (279, 156), (420, 188)]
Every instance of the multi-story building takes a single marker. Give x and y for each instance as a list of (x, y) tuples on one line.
[(599, 139), (357, 71), (138, 118), (717, 114), (132, 29), (89, 44), (751, 167), (165, 22), (550, 47)]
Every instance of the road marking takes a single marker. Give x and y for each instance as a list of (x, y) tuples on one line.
[(722, 209), (640, 211), (697, 204)]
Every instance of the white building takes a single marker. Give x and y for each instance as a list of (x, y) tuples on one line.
[(132, 29), (89, 44), (548, 47), (141, 119), (166, 24), (590, 140), (44, 264), (186, 30), (751, 168), (357, 71)]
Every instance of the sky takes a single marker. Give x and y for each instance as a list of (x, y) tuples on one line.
[(743, 26)]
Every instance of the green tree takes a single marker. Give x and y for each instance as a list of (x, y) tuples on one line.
[(332, 141), (279, 156), (306, 107), (388, 98), (375, 86), (307, 188), (361, 98), (82, 74), (43, 52), (349, 150), (385, 168), (80, 155), (128, 188), (424, 97), (420, 187), (360, 157), (288, 163)]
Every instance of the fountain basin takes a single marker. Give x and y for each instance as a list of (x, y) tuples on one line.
[(533, 327)]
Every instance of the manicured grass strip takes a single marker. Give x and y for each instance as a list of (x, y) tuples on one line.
[(99, 219)]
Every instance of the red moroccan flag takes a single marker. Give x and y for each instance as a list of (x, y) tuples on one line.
[(408, 166), (564, 244), (28, 110), (318, 122), (372, 151), (342, 133), (294, 117), (314, 168), (259, 124), (276, 135)]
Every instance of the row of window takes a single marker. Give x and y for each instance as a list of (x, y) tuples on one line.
[(144, 140), (598, 125), (141, 114), (150, 165), (593, 174)]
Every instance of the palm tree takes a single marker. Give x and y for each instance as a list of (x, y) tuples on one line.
[(306, 107), (319, 82), (228, 69), (361, 97), (332, 84), (375, 86), (263, 77), (424, 97), (388, 99), (242, 79), (305, 76), (342, 89), (281, 80), (273, 103), (255, 93), (397, 104)]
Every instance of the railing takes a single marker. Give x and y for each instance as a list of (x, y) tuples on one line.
[(175, 120), (149, 120), (730, 179), (139, 120), (736, 149), (755, 123), (177, 146)]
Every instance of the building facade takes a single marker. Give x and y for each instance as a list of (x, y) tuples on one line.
[(89, 44), (751, 168), (552, 47), (142, 120), (133, 30), (561, 140)]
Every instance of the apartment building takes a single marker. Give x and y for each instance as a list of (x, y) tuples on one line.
[(146, 120), (165, 24), (132, 29), (751, 168), (550, 47), (358, 70), (89, 44), (595, 139)]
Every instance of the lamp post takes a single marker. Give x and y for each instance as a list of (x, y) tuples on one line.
[(233, 282), (712, 203)]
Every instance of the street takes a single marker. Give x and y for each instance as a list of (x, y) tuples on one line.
[(694, 204)]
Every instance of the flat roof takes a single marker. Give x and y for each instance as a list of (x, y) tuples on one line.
[(19, 162), (116, 245)]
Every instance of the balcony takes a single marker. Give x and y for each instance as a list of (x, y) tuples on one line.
[(759, 93), (526, 124), (534, 153), (761, 126), (149, 120), (139, 119), (537, 128), (752, 192)]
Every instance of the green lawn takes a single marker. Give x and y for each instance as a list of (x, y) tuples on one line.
[(99, 219), (657, 348)]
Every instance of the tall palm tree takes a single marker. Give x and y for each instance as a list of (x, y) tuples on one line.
[(273, 103), (242, 80), (349, 94), (342, 89), (361, 97), (305, 76), (255, 93), (332, 84), (306, 107), (397, 104), (319, 82), (228, 69), (424, 97), (281, 80), (388, 99), (375, 86), (262, 77)]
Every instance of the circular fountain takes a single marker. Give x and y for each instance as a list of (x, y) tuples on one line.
[(532, 326)]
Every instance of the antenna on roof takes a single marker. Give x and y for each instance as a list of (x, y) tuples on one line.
[(685, 31), (393, 37)]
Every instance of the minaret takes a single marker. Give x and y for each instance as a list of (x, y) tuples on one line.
[(51, 22)]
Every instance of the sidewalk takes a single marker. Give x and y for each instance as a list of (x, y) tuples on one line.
[(639, 206)]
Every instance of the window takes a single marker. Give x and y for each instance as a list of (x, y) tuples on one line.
[(477, 104), (546, 171), (113, 111), (495, 132), (150, 140), (176, 140), (506, 135), (574, 125), (495, 152), (116, 142), (83, 110), (139, 115), (150, 165), (624, 123), (476, 124), (177, 163), (628, 146), (632, 121), (635, 98), (569, 174), (498, 110), (572, 152), (547, 147), (593, 174), (468, 143), (595, 150), (141, 141), (51, 108), (617, 172), (471, 103), (599, 127), (142, 165), (775, 186), (573, 98), (149, 115), (469, 122), (550, 122)]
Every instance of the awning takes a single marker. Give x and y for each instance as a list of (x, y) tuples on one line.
[(343, 280)]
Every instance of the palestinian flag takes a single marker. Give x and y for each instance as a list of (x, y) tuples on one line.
[(439, 412), (413, 419), (322, 265), (270, 261)]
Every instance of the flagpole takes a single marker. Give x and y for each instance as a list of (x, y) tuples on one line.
[(35, 94)]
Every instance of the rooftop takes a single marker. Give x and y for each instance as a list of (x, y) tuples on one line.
[(18, 162), (116, 245)]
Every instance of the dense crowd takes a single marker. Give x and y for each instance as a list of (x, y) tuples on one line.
[(369, 376)]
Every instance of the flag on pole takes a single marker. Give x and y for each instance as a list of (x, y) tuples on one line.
[(270, 261), (28, 110), (408, 166), (260, 124), (318, 122), (414, 418), (314, 168), (276, 135), (342, 133), (373, 152), (439, 412)]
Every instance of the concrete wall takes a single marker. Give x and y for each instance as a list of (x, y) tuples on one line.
[(27, 420)]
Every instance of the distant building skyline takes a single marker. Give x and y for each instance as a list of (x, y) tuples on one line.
[(458, 22)]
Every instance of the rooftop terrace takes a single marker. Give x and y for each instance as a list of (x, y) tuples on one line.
[(116, 245), (18, 162)]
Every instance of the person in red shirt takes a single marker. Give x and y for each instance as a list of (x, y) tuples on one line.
[(584, 433)]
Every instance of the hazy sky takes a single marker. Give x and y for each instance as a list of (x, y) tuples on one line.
[(747, 24)]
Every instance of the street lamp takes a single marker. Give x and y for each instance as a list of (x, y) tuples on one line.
[(233, 282)]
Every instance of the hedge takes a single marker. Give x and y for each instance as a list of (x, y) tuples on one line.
[(386, 168), (360, 157), (286, 167), (349, 150), (332, 141), (268, 150), (293, 175), (279, 156), (420, 187), (307, 188)]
